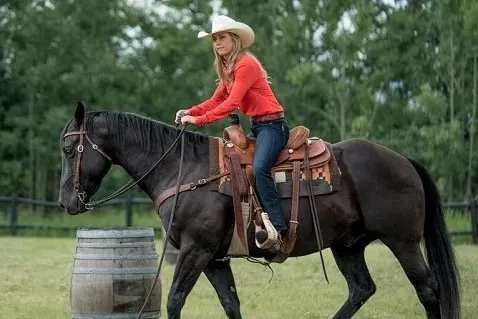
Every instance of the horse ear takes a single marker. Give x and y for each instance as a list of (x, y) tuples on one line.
[(80, 113)]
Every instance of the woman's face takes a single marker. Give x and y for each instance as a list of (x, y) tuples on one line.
[(223, 43)]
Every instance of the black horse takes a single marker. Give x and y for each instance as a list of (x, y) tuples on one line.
[(383, 196)]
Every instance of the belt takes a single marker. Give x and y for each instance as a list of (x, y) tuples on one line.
[(268, 117)]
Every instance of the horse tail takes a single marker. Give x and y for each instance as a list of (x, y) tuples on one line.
[(439, 251)]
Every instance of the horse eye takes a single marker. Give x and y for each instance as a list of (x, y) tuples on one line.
[(68, 150)]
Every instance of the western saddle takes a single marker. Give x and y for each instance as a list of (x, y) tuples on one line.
[(301, 156)]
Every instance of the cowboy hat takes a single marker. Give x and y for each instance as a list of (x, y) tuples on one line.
[(224, 23)]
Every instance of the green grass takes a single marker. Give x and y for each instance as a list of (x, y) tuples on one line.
[(36, 274)]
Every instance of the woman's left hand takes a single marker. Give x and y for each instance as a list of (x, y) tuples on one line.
[(188, 119)]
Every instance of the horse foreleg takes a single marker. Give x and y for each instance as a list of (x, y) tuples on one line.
[(220, 275), (191, 262), (351, 263)]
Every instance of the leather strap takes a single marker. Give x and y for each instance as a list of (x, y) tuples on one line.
[(314, 212), (236, 200), (185, 187), (268, 117), (238, 173), (289, 240)]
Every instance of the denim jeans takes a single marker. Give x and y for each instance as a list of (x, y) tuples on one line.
[(271, 137)]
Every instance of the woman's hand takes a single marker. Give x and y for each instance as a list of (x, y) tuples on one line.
[(179, 115), (188, 119)]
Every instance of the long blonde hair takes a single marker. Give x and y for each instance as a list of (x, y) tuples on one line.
[(225, 68)]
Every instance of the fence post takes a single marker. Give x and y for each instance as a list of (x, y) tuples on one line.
[(13, 216), (129, 211), (474, 220)]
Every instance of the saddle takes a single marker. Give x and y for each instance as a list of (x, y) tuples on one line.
[(302, 156)]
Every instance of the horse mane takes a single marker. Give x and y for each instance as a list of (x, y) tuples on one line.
[(152, 135)]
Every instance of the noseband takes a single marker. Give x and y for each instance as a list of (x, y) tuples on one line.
[(82, 196)]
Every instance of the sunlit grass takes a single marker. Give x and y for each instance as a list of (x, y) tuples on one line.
[(36, 274)]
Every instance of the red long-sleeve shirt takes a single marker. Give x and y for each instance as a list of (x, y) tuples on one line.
[(249, 92)]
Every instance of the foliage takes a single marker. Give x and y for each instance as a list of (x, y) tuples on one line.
[(399, 73)]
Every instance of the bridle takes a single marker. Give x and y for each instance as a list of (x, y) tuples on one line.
[(82, 196)]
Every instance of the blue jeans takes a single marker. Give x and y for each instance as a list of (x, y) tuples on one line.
[(271, 137)]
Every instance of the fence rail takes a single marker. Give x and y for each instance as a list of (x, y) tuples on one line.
[(15, 201), (130, 202)]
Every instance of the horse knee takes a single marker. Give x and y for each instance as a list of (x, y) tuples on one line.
[(370, 289), (360, 293)]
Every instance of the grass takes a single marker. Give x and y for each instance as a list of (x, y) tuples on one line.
[(36, 274)]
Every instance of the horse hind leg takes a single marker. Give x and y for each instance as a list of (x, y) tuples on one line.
[(351, 263), (220, 275), (413, 263)]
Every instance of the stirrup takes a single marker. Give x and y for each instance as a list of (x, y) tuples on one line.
[(272, 240)]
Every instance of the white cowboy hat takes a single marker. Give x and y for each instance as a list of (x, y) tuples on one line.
[(224, 23)]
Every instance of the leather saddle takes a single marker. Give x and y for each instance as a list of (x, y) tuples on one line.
[(240, 145), (300, 156)]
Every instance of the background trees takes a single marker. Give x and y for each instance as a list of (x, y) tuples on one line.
[(403, 74)]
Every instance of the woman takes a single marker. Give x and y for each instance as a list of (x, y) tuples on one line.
[(243, 86)]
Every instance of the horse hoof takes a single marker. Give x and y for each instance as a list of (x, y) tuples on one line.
[(261, 236)]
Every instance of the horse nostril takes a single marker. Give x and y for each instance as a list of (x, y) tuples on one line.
[(61, 206)]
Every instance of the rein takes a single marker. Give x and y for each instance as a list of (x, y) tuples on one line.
[(314, 213), (82, 196), (173, 211)]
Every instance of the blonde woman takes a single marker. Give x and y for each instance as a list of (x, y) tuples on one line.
[(243, 86)]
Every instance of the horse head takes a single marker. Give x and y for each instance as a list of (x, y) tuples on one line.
[(83, 146)]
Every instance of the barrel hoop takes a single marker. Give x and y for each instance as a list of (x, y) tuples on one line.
[(116, 245), (113, 271), (112, 233), (144, 315), (115, 257)]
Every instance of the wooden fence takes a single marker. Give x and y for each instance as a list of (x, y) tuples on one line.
[(129, 203), (126, 203)]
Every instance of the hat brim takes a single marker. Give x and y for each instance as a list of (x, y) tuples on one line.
[(245, 34)]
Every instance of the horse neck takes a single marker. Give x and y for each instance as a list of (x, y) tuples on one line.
[(137, 157)]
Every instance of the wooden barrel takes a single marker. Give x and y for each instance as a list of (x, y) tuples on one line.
[(113, 271)]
